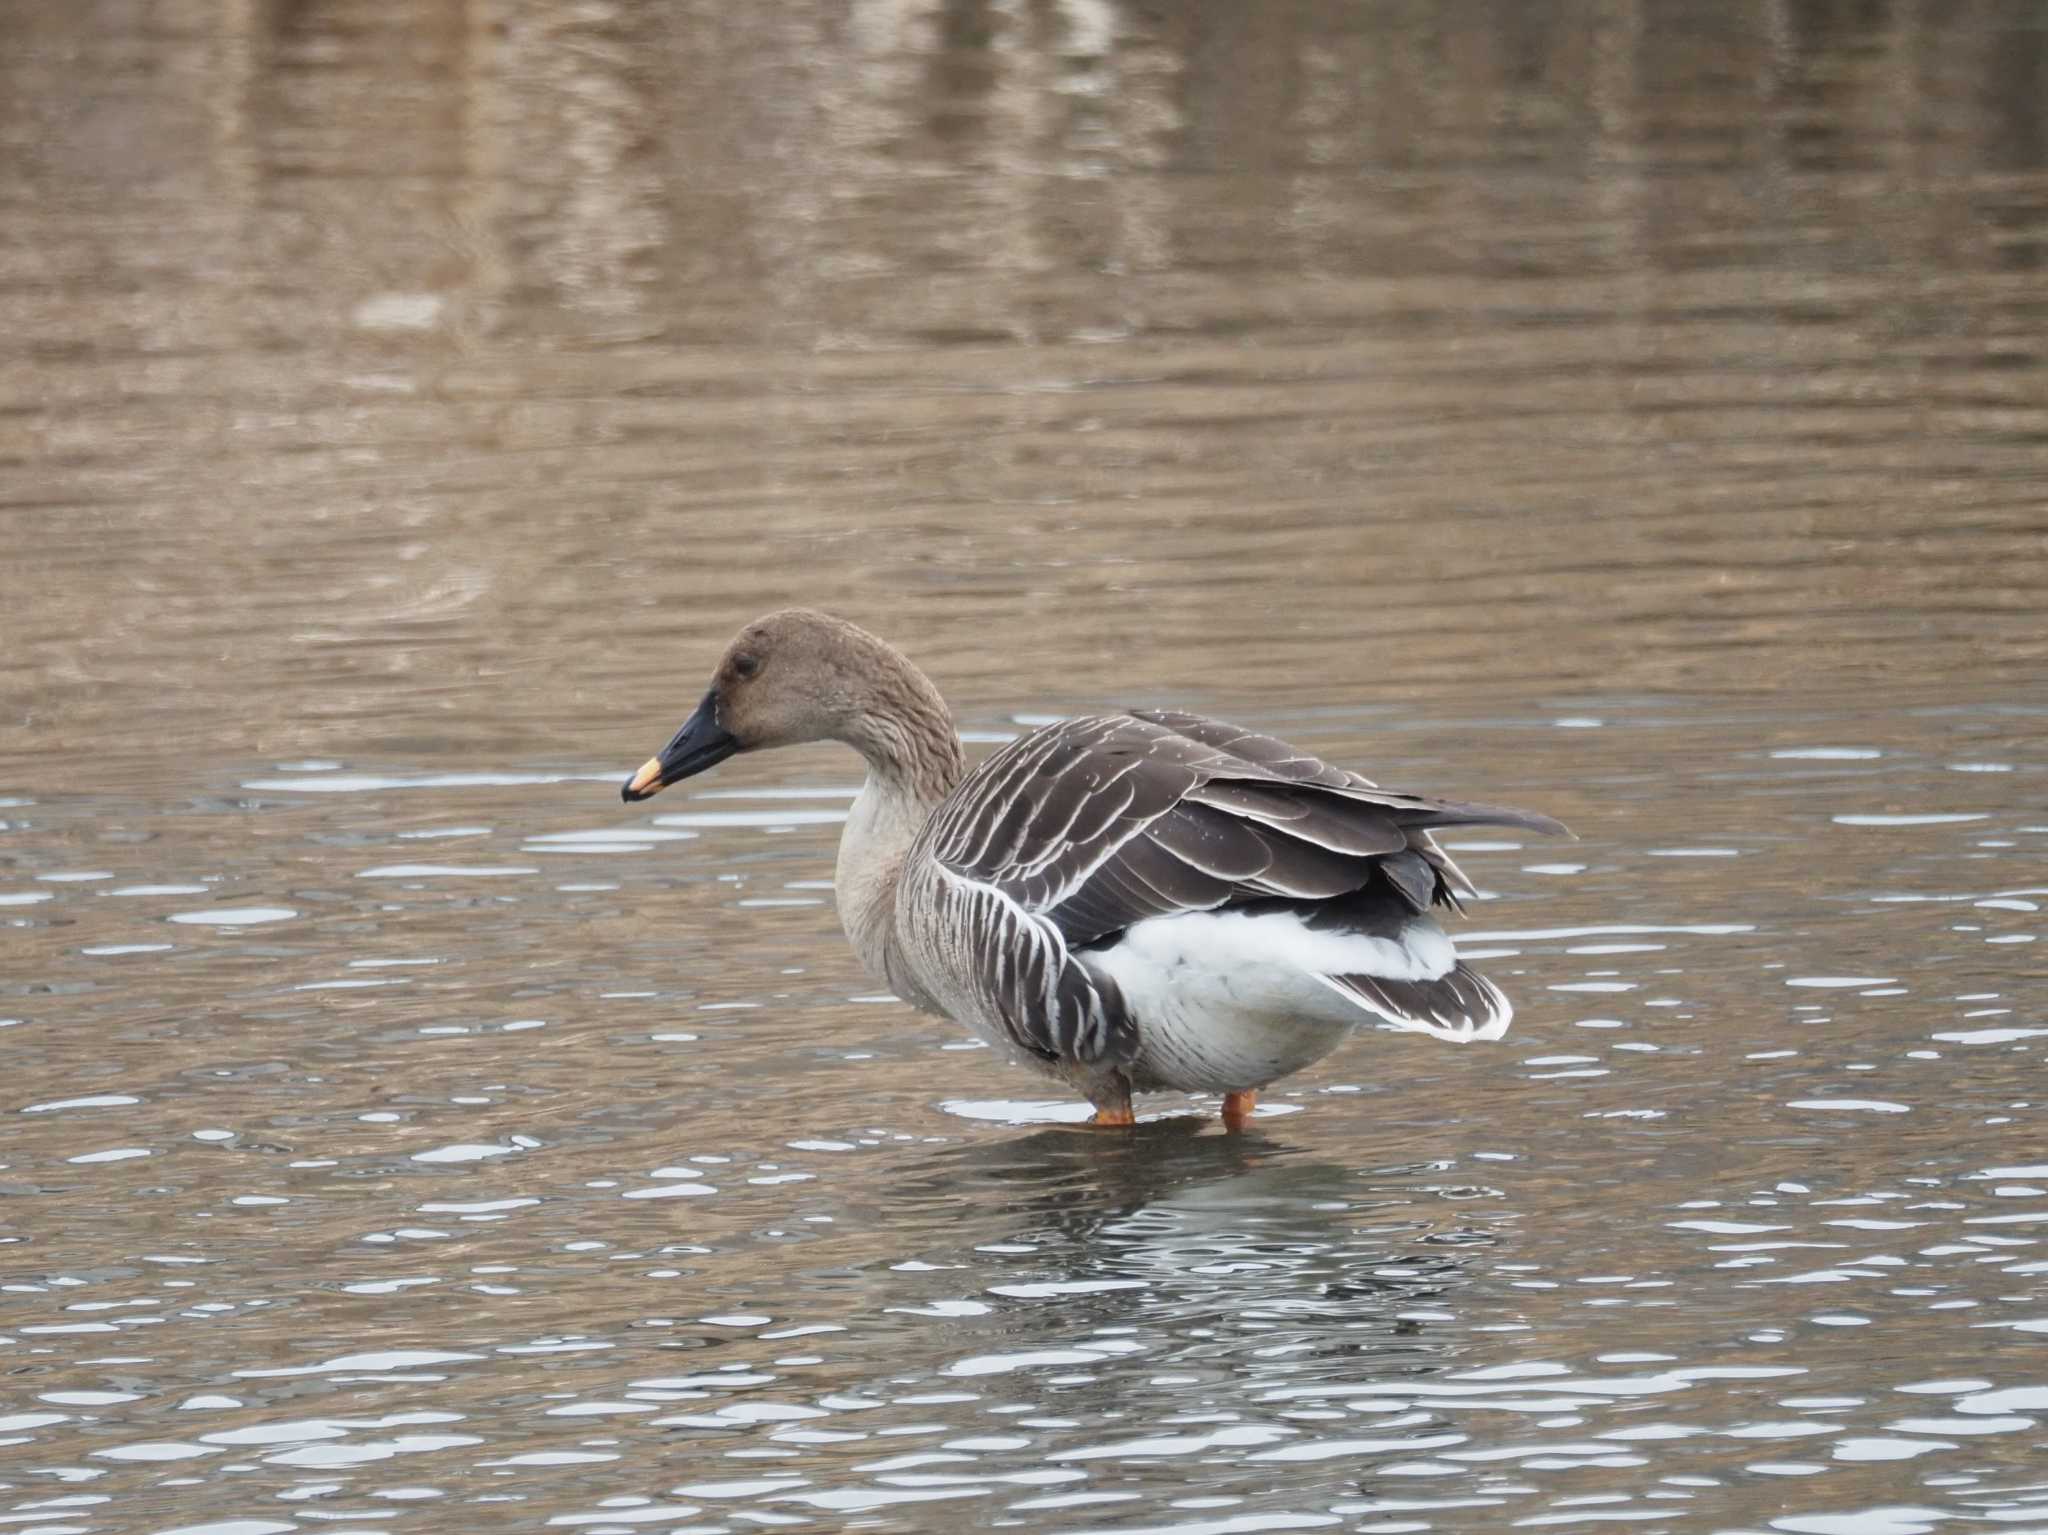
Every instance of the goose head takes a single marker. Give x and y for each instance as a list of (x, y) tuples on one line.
[(792, 676)]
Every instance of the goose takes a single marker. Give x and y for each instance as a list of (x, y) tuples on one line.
[(1134, 902)]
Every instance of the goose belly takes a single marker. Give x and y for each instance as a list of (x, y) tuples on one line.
[(1226, 1001)]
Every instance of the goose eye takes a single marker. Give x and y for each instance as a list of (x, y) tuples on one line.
[(745, 666)]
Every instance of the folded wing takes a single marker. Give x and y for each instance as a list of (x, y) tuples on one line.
[(1065, 838)]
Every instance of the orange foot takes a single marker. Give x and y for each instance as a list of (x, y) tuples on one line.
[(1114, 1114), (1237, 1109)]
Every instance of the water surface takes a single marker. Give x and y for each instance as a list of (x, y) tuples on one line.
[(1632, 412)]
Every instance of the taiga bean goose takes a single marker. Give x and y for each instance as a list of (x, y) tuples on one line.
[(1129, 902)]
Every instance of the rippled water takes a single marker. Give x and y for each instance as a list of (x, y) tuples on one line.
[(1632, 412)]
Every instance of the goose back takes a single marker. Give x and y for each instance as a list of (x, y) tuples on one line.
[(1066, 838)]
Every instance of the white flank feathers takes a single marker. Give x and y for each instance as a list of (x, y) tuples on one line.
[(1232, 998)]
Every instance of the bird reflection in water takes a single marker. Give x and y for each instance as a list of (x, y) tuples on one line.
[(1242, 1255)]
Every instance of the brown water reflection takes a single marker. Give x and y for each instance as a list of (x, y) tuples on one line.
[(1637, 412)]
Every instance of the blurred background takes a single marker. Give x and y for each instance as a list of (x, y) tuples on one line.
[(1635, 411), (456, 375)]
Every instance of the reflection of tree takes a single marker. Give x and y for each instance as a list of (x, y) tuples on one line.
[(568, 103), (1015, 168)]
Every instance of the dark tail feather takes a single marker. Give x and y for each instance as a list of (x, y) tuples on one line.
[(1434, 813), (1461, 1005)]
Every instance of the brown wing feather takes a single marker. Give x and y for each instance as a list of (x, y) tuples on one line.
[(1085, 827)]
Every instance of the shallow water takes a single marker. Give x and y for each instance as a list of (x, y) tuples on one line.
[(1631, 414)]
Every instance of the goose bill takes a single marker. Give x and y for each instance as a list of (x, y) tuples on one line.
[(700, 744)]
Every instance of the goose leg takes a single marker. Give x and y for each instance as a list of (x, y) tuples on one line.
[(1110, 1092), (1237, 1109)]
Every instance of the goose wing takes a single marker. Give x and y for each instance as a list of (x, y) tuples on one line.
[(1081, 829)]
